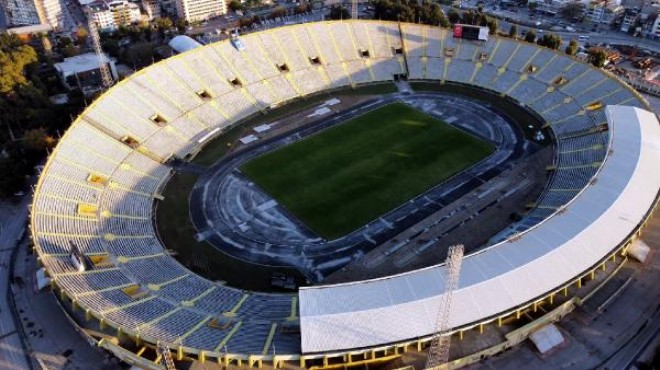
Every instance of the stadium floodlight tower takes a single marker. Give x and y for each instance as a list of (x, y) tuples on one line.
[(106, 77), (166, 355), (439, 351)]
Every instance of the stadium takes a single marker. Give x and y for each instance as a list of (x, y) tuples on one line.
[(92, 218)]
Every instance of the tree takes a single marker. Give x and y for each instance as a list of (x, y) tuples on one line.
[(551, 41), (471, 17), (14, 58), (70, 51), (437, 17), (571, 11), (38, 140), (530, 36), (302, 8), (597, 57), (453, 17), (246, 21), (572, 48), (532, 6), (139, 55), (278, 12), (181, 25), (492, 25), (235, 5), (111, 46), (513, 31), (339, 12), (81, 36), (163, 24)]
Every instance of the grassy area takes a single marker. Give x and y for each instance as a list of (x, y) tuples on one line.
[(350, 174), (177, 233), (520, 116), (220, 146)]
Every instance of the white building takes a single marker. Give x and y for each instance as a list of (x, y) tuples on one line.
[(629, 20), (110, 15), (83, 70), (198, 10), (654, 30), (152, 9), (33, 12), (603, 11)]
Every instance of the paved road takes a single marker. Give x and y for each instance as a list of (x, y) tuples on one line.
[(11, 351), (629, 353)]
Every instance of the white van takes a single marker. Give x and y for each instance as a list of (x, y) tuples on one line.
[(583, 38)]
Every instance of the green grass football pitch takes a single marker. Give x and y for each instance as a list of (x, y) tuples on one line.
[(346, 176)]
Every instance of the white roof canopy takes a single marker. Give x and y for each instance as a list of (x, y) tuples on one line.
[(509, 274)]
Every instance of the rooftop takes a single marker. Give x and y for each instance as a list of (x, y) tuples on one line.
[(80, 63)]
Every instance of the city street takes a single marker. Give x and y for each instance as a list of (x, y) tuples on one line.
[(13, 218)]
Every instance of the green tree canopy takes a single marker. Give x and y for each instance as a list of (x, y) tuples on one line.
[(424, 12), (38, 140), (597, 57), (339, 12), (453, 16), (572, 48), (551, 41), (14, 58), (571, 11), (164, 24), (81, 36), (530, 36), (278, 11), (235, 5), (513, 31)]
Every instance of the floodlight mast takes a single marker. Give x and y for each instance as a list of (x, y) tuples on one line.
[(439, 351), (106, 77), (166, 356)]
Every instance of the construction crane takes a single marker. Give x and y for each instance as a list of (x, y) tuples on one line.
[(106, 77), (439, 351), (167, 356), (354, 9)]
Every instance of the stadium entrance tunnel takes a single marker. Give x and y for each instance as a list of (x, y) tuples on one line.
[(240, 217)]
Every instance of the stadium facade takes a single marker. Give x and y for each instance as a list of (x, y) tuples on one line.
[(96, 194)]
